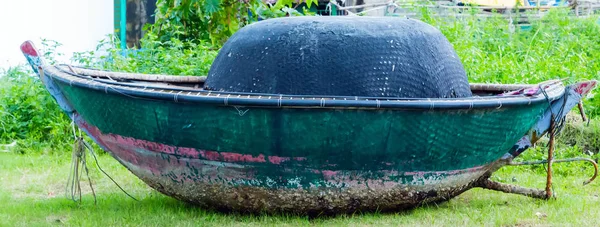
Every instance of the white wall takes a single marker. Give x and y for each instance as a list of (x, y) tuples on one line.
[(77, 24)]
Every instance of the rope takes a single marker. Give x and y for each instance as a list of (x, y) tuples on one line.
[(556, 125), (559, 123), (89, 147), (78, 157), (79, 163)]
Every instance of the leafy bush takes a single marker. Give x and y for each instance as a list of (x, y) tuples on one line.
[(196, 21), (28, 114), (557, 47), (493, 50), (593, 104), (585, 135), (172, 57)]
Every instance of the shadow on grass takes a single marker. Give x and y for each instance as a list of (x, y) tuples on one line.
[(474, 206), (157, 206)]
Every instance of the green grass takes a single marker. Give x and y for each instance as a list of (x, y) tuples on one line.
[(32, 193)]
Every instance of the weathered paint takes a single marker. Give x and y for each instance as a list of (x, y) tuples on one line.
[(524, 91), (32, 56), (269, 180), (250, 181), (403, 141), (584, 88), (36, 62), (29, 49), (131, 150), (218, 183)]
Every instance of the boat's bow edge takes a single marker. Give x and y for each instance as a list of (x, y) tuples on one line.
[(557, 111), (32, 55), (35, 60)]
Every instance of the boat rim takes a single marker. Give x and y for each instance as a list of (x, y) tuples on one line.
[(76, 76)]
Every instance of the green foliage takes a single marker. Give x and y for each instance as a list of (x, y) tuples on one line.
[(559, 46), (196, 21), (492, 50), (28, 114), (50, 53), (584, 135), (281, 9), (173, 57), (576, 139), (540, 152), (593, 104)]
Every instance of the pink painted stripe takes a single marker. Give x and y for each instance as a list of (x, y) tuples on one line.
[(584, 88), (190, 152), (112, 140), (28, 48)]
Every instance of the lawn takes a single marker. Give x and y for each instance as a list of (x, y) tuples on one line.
[(32, 191)]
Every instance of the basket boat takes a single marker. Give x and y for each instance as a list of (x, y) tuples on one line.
[(304, 154)]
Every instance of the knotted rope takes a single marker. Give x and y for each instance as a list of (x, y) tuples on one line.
[(78, 158), (79, 164)]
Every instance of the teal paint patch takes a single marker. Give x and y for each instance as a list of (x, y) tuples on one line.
[(326, 139)]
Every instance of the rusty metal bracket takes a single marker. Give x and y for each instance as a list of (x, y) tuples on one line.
[(552, 134), (513, 189), (531, 192), (536, 193), (582, 111), (563, 160)]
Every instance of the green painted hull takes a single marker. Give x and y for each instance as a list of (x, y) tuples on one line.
[(295, 159), (325, 139), (308, 155)]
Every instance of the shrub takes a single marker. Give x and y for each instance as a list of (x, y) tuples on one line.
[(214, 21), (28, 114), (172, 57), (558, 46)]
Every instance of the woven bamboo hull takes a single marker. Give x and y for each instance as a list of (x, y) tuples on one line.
[(298, 154)]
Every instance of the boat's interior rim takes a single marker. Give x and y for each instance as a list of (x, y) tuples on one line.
[(131, 76), (480, 91), (187, 79)]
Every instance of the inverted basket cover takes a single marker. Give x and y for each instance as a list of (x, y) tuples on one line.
[(347, 56)]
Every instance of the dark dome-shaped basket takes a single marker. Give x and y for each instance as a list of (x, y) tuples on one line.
[(340, 56)]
